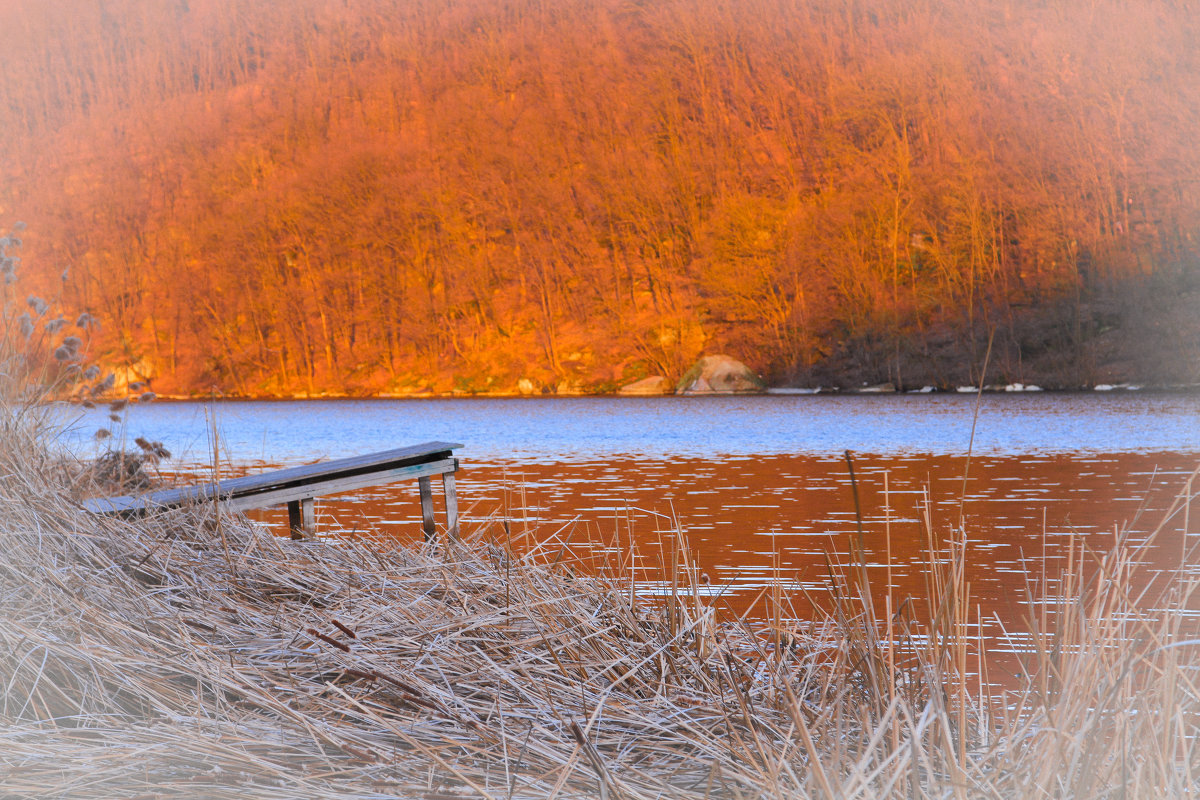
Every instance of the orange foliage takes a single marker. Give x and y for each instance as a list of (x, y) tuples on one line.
[(352, 197)]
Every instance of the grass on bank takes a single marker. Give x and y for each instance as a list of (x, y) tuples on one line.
[(194, 654)]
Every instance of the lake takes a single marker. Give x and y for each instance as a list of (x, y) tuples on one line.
[(759, 485)]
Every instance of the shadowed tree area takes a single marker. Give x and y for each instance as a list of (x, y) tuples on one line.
[(456, 195)]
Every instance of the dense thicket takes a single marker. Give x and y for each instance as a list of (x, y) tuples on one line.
[(357, 196)]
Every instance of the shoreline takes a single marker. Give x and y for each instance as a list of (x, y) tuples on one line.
[(777, 391)]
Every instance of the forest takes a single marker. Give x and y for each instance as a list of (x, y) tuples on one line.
[(434, 196)]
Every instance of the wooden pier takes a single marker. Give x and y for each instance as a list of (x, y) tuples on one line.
[(299, 486)]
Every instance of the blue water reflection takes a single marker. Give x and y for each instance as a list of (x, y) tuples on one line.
[(556, 430)]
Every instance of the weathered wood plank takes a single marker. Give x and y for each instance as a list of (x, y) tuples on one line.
[(429, 451), (308, 481), (124, 504), (335, 486), (307, 474), (298, 486), (241, 502)]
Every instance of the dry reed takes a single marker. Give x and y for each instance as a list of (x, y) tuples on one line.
[(189, 656)]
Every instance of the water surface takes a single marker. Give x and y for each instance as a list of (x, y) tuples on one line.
[(558, 430), (760, 486)]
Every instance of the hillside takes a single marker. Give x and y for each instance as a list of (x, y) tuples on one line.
[(366, 197)]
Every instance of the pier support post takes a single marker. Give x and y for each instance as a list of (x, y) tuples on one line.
[(451, 505), (428, 525), (301, 518)]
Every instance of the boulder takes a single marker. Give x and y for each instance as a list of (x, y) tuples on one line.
[(570, 387), (720, 375), (655, 384)]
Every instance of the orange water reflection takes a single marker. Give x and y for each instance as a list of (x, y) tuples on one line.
[(752, 522)]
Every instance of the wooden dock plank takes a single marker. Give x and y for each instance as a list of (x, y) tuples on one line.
[(324, 470), (347, 484), (294, 483), (296, 487)]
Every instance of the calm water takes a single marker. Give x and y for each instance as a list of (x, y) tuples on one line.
[(759, 485), (593, 429)]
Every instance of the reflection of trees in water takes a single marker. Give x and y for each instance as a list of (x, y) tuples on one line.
[(737, 515)]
